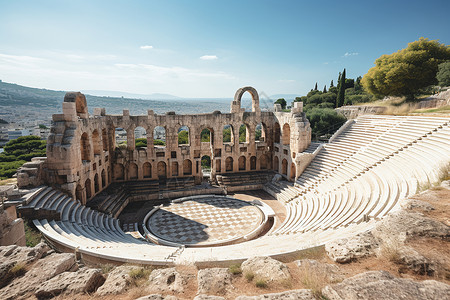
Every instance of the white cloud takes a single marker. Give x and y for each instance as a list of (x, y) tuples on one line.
[(146, 47), (208, 57), (347, 54)]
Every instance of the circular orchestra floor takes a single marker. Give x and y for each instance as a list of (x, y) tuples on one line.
[(205, 221)]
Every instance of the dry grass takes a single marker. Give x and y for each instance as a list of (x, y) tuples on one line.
[(139, 275), (18, 270), (106, 268), (235, 269), (390, 250), (317, 253), (314, 280), (249, 276), (261, 283), (8, 181)]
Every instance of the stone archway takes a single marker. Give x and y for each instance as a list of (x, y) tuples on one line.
[(236, 105)]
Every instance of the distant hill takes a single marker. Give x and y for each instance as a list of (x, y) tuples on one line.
[(24, 98), (154, 96), (285, 96)]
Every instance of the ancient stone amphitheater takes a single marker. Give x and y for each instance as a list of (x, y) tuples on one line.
[(327, 190)]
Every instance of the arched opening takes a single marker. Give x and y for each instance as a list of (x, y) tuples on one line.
[(147, 170), (96, 142), (183, 135), (284, 166), (206, 136), (96, 184), (104, 140), (140, 137), (133, 171), (85, 148), (174, 168), (241, 163), (120, 137), (187, 167), (229, 164), (118, 172), (206, 165), (161, 168), (79, 193), (276, 133), (276, 163), (103, 178), (260, 133), (263, 162), (253, 163), (243, 134), (238, 98), (159, 136), (286, 134), (228, 134), (87, 186), (292, 171)]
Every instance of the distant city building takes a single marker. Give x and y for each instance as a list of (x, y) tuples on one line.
[(16, 133)]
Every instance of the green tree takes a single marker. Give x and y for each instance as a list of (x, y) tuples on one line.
[(407, 71), (331, 84), (242, 134), (227, 135), (324, 88), (205, 135), (443, 74), (341, 90), (18, 151), (183, 137), (315, 87), (324, 120), (282, 102), (140, 142)]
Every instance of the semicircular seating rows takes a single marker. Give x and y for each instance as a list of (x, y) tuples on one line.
[(359, 177)]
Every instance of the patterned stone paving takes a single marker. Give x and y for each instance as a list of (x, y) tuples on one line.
[(204, 221)]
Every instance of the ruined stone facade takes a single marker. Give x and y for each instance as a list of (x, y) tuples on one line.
[(83, 157)]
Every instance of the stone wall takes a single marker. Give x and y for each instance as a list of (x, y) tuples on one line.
[(83, 158)]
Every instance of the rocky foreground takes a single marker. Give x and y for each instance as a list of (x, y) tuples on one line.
[(415, 271)]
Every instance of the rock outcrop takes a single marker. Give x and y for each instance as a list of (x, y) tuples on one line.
[(166, 280), (380, 285), (350, 249), (43, 270), (82, 281), (266, 268), (116, 282), (214, 281)]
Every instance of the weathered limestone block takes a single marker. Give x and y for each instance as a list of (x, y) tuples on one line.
[(164, 280), (266, 268), (331, 272), (349, 249), (214, 281), (83, 281), (117, 281), (403, 225), (380, 285), (42, 271)]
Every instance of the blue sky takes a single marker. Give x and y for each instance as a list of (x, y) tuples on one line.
[(205, 48)]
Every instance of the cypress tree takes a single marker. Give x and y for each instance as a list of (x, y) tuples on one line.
[(331, 84), (341, 90), (315, 88), (325, 88)]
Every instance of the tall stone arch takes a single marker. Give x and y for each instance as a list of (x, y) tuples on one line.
[(236, 104)]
